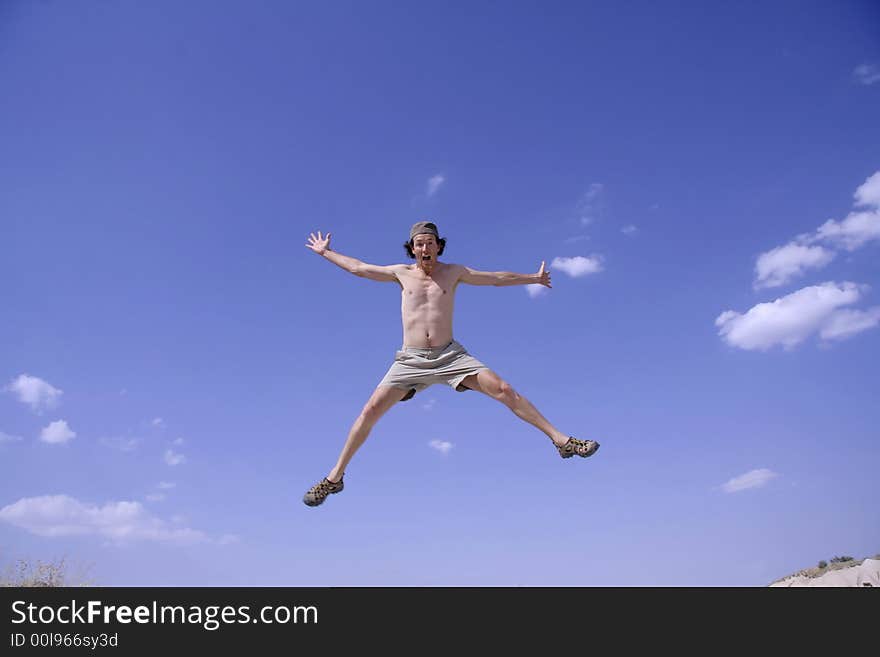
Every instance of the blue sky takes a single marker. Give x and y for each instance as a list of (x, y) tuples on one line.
[(177, 368)]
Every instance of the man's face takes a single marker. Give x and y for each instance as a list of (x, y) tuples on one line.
[(425, 247)]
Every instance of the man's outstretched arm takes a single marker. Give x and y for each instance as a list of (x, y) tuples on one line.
[(321, 246), (474, 277)]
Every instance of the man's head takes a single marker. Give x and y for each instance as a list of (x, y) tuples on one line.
[(424, 241)]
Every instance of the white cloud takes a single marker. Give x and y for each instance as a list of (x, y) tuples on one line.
[(159, 422), (57, 433), (174, 458), (867, 74), (121, 443), (8, 438), (853, 232), (751, 479), (429, 405), (791, 319), (178, 441), (594, 191), (578, 265), (33, 391), (434, 183), (868, 193), (160, 495), (62, 515), (535, 290), (629, 230), (441, 446), (778, 266), (845, 323), (587, 207)]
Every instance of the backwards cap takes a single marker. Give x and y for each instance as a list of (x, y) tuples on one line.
[(424, 227)]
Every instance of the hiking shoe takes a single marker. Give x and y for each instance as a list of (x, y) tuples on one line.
[(583, 448), (319, 492)]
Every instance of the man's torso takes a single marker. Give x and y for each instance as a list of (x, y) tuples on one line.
[(427, 303)]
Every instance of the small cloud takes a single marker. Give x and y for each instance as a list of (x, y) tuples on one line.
[(441, 446), (815, 250), (866, 74), (36, 393), (629, 231), (791, 319), (868, 193), (173, 458), (845, 323), (589, 207), (856, 230), (751, 479), (160, 495), (594, 191), (178, 442), (578, 265), (229, 539), (429, 405), (8, 438), (123, 444), (158, 422), (576, 238), (57, 433), (778, 266), (61, 515), (534, 290), (434, 184), (123, 392)]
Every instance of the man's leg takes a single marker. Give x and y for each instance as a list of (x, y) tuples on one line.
[(489, 383), (382, 399)]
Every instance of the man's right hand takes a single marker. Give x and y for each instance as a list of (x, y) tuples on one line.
[(319, 244)]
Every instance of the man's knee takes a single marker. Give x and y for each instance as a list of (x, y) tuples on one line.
[(504, 392), (370, 412), (378, 405)]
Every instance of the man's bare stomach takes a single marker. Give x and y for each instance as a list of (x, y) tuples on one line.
[(422, 336)]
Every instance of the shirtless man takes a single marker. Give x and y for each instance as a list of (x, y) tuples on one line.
[(430, 354)]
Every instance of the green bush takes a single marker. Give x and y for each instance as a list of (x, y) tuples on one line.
[(823, 564)]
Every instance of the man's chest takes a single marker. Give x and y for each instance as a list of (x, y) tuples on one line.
[(438, 288)]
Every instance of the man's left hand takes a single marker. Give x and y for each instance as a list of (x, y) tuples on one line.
[(543, 276)]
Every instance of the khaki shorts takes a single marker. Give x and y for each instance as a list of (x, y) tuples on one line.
[(415, 369)]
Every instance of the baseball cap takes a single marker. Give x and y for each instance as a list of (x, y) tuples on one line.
[(424, 227)]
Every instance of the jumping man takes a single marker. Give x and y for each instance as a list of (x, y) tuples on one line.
[(430, 354)]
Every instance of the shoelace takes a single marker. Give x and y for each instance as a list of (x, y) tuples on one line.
[(322, 488)]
